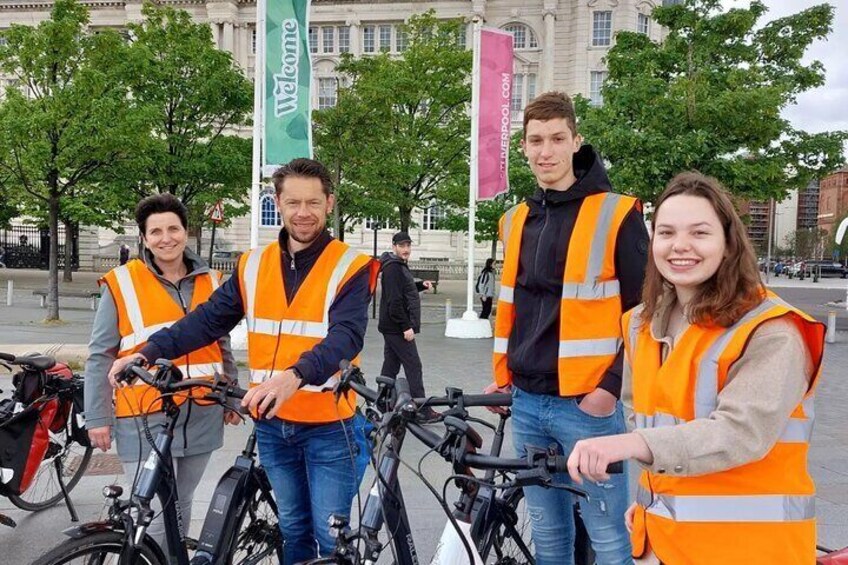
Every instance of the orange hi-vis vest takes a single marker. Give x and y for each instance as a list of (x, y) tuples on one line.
[(279, 332), (590, 308), (760, 512), (145, 307)]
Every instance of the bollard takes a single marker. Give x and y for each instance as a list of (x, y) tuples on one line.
[(448, 306), (10, 289), (831, 327)]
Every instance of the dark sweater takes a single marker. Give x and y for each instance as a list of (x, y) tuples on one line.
[(534, 343), (400, 304)]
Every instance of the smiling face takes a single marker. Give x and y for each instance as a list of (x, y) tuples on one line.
[(304, 208), (688, 244), (549, 146), (165, 237)]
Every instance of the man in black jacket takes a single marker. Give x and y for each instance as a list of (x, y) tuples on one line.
[(400, 316)]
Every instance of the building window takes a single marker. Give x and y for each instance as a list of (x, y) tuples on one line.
[(596, 82), (344, 39), (373, 223), (313, 40), (524, 38), (601, 29), (269, 216), (385, 38), (401, 40), (433, 217), (643, 24), (517, 102), (328, 39), (326, 92), (253, 41), (368, 45), (531, 87)]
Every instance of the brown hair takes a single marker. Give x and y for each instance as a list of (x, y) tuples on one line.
[(303, 168), (735, 288), (159, 204), (551, 106)]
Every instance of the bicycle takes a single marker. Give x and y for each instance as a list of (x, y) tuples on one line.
[(123, 539), (483, 522), (47, 403)]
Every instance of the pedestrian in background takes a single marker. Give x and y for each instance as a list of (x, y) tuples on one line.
[(485, 288), (400, 318)]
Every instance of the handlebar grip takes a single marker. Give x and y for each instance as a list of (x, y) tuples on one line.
[(134, 370), (7, 357), (559, 464), (497, 399)]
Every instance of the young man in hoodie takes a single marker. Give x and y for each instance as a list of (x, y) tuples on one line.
[(574, 260), (400, 317)]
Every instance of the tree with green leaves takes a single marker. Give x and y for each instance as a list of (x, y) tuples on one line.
[(709, 97), (522, 183), (197, 98), (415, 138), (71, 121)]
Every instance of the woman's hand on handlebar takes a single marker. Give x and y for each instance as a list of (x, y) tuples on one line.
[(493, 388), (120, 364), (590, 457)]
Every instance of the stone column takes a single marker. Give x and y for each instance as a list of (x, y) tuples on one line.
[(355, 37), (228, 44), (547, 66), (216, 33)]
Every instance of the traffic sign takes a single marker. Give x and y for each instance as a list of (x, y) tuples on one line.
[(217, 213)]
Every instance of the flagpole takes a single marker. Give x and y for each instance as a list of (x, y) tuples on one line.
[(258, 97), (470, 314)]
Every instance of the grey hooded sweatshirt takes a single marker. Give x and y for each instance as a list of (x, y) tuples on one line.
[(200, 429)]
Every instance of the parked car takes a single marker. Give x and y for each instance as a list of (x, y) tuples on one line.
[(796, 269), (826, 268)]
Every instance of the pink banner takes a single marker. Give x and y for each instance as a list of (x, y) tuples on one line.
[(494, 119)]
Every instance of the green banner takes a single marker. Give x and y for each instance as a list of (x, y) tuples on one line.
[(288, 78)]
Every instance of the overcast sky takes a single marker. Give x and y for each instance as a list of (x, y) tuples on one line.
[(824, 108)]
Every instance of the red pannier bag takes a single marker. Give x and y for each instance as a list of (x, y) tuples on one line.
[(24, 438)]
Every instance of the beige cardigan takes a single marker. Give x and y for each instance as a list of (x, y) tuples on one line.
[(764, 386)]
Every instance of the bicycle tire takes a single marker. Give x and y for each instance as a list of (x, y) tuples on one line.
[(258, 539), (102, 545), (500, 545), (45, 491)]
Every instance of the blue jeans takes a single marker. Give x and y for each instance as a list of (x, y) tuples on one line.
[(541, 420), (312, 469)]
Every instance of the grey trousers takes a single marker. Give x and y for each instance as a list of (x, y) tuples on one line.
[(189, 470)]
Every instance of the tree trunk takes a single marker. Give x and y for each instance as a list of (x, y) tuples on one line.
[(341, 226), (67, 273), (53, 265), (405, 218), (198, 237), (494, 254)]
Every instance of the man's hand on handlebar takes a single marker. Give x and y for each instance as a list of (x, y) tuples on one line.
[(120, 364), (271, 394), (591, 457), (493, 388)]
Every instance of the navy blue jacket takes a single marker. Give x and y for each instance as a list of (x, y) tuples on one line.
[(348, 318)]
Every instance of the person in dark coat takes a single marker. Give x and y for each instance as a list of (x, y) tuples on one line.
[(400, 317)]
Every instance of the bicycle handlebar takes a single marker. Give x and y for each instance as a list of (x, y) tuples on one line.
[(166, 385)]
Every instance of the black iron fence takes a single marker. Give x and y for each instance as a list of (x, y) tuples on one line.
[(28, 247)]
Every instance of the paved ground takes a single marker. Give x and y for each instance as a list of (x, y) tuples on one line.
[(463, 363)]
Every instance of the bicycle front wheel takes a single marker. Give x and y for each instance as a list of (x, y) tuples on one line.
[(63, 455), (258, 539), (103, 548)]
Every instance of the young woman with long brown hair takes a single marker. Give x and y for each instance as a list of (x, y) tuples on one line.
[(721, 373)]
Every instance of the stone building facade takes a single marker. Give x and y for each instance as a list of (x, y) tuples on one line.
[(560, 44)]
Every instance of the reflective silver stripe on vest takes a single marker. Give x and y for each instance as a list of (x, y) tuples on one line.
[(251, 280), (199, 370), (706, 388), (591, 290), (599, 239), (258, 376), (138, 338), (345, 261), (729, 508), (656, 420), (507, 224), (501, 344), (288, 327), (588, 347), (131, 303), (506, 293)]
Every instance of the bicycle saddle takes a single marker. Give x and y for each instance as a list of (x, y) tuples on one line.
[(36, 361)]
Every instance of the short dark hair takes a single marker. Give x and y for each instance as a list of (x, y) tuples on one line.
[(303, 168), (158, 204), (551, 106)]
